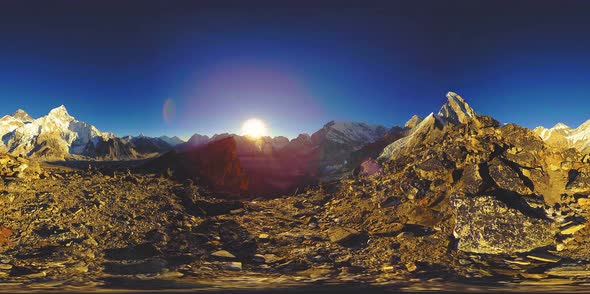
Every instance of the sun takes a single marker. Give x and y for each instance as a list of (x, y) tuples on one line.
[(254, 128)]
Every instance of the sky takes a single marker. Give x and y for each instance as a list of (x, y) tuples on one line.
[(182, 67)]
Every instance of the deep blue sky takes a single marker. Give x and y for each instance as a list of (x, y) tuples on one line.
[(294, 64)]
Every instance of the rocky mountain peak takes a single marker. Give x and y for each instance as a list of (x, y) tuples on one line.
[(456, 110), (414, 121), (22, 116), (60, 113)]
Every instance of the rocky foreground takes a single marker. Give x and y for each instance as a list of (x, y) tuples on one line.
[(462, 216)]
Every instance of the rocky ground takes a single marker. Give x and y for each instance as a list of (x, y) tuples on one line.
[(458, 207)]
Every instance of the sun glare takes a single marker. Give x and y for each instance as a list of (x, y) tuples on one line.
[(254, 128)]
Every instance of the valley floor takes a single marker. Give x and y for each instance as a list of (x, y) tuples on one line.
[(80, 229)]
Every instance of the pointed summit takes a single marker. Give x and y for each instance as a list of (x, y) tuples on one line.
[(60, 109), (456, 110), (561, 126), (414, 121), (60, 113), (22, 116)]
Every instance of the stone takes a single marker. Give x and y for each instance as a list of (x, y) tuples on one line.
[(487, 225), (234, 238), (575, 271), (584, 202), (570, 230), (259, 258), (142, 251), (578, 182), (156, 236), (391, 201), (544, 258), (78, 268), (370, 167), (522, 137), (263, 237), (471, 180), (149, 266), (271, 258), (209, 208), (433, 168), (4, 266), (232, 266), (222, 254), (347, 237), (5, 233), (411, 266), (536, 276), (508, 178)]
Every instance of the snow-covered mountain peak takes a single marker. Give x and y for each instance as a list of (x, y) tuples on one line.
[(60, 113), (561, 126), (456, 110), (56, 135), (22, 116), (562, 136), (348, 132), (9, 123)]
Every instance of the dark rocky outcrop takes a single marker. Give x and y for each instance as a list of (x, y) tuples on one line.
[(111, 149), (215, 165)]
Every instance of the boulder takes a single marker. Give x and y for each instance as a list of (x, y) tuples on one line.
[(472, 181), (489, 226), (347, 237), (508, 177), (370, 167), (578, 182)]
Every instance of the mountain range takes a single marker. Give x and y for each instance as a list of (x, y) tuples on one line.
[(60, 136), (562, 136), (273, 164)]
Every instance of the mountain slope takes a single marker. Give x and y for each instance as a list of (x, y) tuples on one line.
[(172, 141)]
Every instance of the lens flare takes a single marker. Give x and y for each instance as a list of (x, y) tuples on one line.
[(169, 110), (254, 128)]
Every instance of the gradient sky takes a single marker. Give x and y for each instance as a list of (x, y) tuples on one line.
[(294, 64)]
